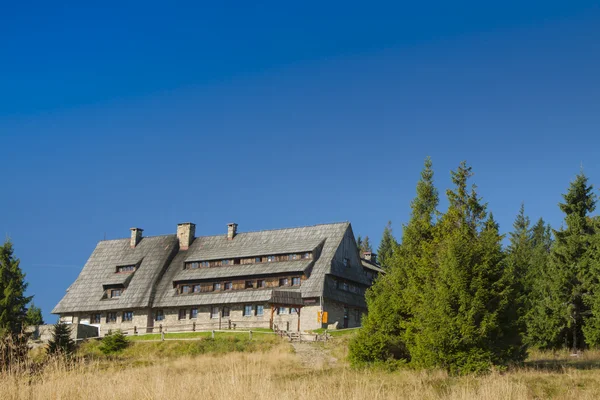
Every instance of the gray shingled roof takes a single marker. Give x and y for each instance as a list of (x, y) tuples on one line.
[(280, 241), (86, 293), (233, 271)]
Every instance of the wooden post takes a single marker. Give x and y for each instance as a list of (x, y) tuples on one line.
[(160, 328), (299, 308), (250, 333), (194, 326), (220, 315), (213, 334), (229, 324), (135, 330), (162, 336), (272, 312)]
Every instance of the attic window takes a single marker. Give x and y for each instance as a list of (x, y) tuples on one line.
[(126, 269), (346, 262), (114, 293), (306, 256)]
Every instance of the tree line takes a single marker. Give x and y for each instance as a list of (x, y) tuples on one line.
[(454, 297)]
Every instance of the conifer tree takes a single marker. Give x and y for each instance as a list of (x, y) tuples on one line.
[(387, 246), (366, 246), (13, 302), (33, 316), (61, 342), (359, 244), (571, 282), (389, 300), (463, 323)]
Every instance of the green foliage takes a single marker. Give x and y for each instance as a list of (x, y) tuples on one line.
[(61, 342), (387, 246), (569, 306), (446, 301), (114, 343), (13, 302), (33, 317)]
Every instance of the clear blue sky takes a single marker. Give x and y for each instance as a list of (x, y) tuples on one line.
[(281, 114)]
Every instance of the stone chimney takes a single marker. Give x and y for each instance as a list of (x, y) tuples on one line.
[(136, 236), (231, 230), (185, 233), (370, 256)]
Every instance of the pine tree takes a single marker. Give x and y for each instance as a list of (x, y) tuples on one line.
[(389, 301), (359, 244), (570, 269), (540, 326), (61, 342), (13, 302), (366, 246), (518, 260), (387, 246), (463, 322), (33, 316)]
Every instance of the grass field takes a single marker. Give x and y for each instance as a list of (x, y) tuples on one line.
[(236, 368)]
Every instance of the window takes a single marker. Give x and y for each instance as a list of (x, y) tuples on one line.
[(345, 286), (296, 281), (283, 282), (228, 286), (282, 310), (193, 313), (127, 316), (115, 293), (271, 258), (194, 265), (185, 289), (257, 259), (346, 262), (226, 312), (306, 256), (159, 315), (247, 310), (182, 313), (225, 262), (196, 289), (214, 312), (216, 286), (249, 284), (205, 264), (293, 310), (260, 310), (261, 283), (111, 317), (95, 318), (126, 268)]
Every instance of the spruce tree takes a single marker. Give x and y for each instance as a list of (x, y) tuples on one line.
[(359, 244), (391, 299), (570, 268), (33, 317), (463, 322), (61, 342), (366, 246), (386, 246), (13, 302)]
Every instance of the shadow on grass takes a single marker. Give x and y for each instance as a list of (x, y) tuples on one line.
[(560, 365)]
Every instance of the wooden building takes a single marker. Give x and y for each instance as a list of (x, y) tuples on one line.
[(277, 278)]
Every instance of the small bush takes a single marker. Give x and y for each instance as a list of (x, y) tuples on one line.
[(114, 343)]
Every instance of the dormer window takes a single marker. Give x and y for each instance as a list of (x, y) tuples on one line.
[(126, 269), (114, 293), (225, 262), (271, 258), (306, 256)]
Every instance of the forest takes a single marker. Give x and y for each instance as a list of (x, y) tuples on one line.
[(456, 297)]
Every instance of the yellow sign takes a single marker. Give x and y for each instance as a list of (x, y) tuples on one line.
[(322, 317)]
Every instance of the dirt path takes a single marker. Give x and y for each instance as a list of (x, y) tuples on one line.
[(312, 355)]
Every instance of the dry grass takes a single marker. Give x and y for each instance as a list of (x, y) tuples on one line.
[(277, 373)]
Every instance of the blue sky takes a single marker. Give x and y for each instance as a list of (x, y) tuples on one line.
[(277, 114)]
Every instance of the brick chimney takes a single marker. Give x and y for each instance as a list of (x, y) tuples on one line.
[(370, 256), (136, 236), (231, 230), (185, 234)]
